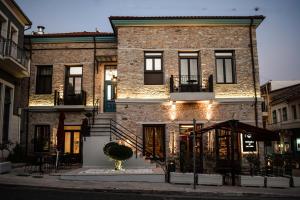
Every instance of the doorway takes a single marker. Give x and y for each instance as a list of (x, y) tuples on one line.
[(110, 89), (73, 142), (186, 148), (154, 141)]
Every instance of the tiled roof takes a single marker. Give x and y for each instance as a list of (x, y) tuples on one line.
[(184, 17), (72, 34)]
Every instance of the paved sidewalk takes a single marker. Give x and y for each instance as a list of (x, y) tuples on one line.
[(53, 181)]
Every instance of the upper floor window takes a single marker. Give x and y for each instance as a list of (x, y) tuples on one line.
[(274, 116), (294, 111), (14, 33), (74, 80), (189, 73), (225, 67), (284, 114), (3, 25), (42, 138), (153, 71), (44, 80)]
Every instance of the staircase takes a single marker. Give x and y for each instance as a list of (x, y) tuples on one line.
[(104, 129)]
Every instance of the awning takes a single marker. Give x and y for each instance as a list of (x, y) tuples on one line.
[(259, 134)]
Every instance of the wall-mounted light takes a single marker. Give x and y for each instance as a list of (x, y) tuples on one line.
[(114, 79)]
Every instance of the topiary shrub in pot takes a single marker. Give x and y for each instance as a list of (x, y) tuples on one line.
[(118, 152)]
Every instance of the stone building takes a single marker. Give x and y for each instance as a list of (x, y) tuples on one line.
[(281, 112), (14, 66), (148, 79)]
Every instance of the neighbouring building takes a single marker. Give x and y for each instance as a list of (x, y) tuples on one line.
[(14, 67), (281, 112), (145, 83)]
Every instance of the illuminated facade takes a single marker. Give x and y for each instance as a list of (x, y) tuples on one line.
[(153, 74)]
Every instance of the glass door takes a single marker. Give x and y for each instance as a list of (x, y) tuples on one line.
[(72, 145), (189, 74), (110, 89)]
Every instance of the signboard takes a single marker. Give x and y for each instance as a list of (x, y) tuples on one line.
[(249, 144), (298, 144)]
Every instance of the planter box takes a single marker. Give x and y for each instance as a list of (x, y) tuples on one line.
[(183, 178), (5, 167), (252, 181), (280, 182), (210, 179), (296, 180)]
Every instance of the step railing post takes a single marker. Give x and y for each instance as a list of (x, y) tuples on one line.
[(110, 139)]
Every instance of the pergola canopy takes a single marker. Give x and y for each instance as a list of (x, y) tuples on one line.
[(259, 134)]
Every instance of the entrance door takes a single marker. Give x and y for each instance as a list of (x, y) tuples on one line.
[(154, 142), (73, 142), (228, 152), (110, 89), (6, 113), (186, 149)]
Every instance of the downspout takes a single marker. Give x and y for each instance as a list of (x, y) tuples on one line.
[(28, 93), (253, 73), (94, 76)]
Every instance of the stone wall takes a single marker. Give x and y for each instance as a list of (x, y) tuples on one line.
[(133, 41), (61, 55)]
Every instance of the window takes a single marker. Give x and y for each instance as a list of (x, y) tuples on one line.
[(6, 113), (284, 114), (294, 111), (74, 80), (154, 141), (189, 68), (44, 80), (274, 117), (225, 67), (153, 72), (42, 138), (279, 115), (3, 25)]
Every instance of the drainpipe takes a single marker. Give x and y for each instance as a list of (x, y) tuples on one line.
[(253, 73), (94, 76)]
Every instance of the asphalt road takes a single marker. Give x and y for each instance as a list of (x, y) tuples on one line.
[(34, 193)]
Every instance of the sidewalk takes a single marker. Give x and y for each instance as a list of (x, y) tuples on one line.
[(53, 181)]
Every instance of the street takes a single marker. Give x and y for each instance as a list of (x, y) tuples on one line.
[(35, 193)]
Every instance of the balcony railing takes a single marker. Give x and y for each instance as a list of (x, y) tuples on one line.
[(70, 99), (10, 49), (186, 83)]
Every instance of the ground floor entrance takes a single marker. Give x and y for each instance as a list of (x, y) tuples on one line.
[(73, 142), (110, 89)]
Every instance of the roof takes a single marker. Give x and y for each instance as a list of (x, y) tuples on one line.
[(276, 85), (71, 34), (185, 17), (285, 94), (259, 134), (184, 20), (19, 12)]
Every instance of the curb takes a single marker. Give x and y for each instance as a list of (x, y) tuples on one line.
[(152, 192)]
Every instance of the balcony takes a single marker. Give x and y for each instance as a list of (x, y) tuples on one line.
[(14, 59), (189, 88), (77, 100)]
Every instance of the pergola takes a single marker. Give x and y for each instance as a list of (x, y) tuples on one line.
[(233, 128)]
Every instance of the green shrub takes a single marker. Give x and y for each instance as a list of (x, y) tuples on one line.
[(117, 151), (17, 154)]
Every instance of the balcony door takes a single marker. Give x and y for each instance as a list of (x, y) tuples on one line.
[(73, 86), (189, 74), (110, 89)]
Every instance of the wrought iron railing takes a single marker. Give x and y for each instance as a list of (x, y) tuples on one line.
[(10, 49), (190, 83), (70, 99)]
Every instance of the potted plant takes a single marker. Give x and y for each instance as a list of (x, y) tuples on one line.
[(118, 152), (4, 165)]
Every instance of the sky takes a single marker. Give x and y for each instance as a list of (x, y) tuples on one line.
[(278, 36)]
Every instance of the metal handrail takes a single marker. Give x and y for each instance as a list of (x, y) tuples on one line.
[(190, 83), (9, 48), (125, 128)]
